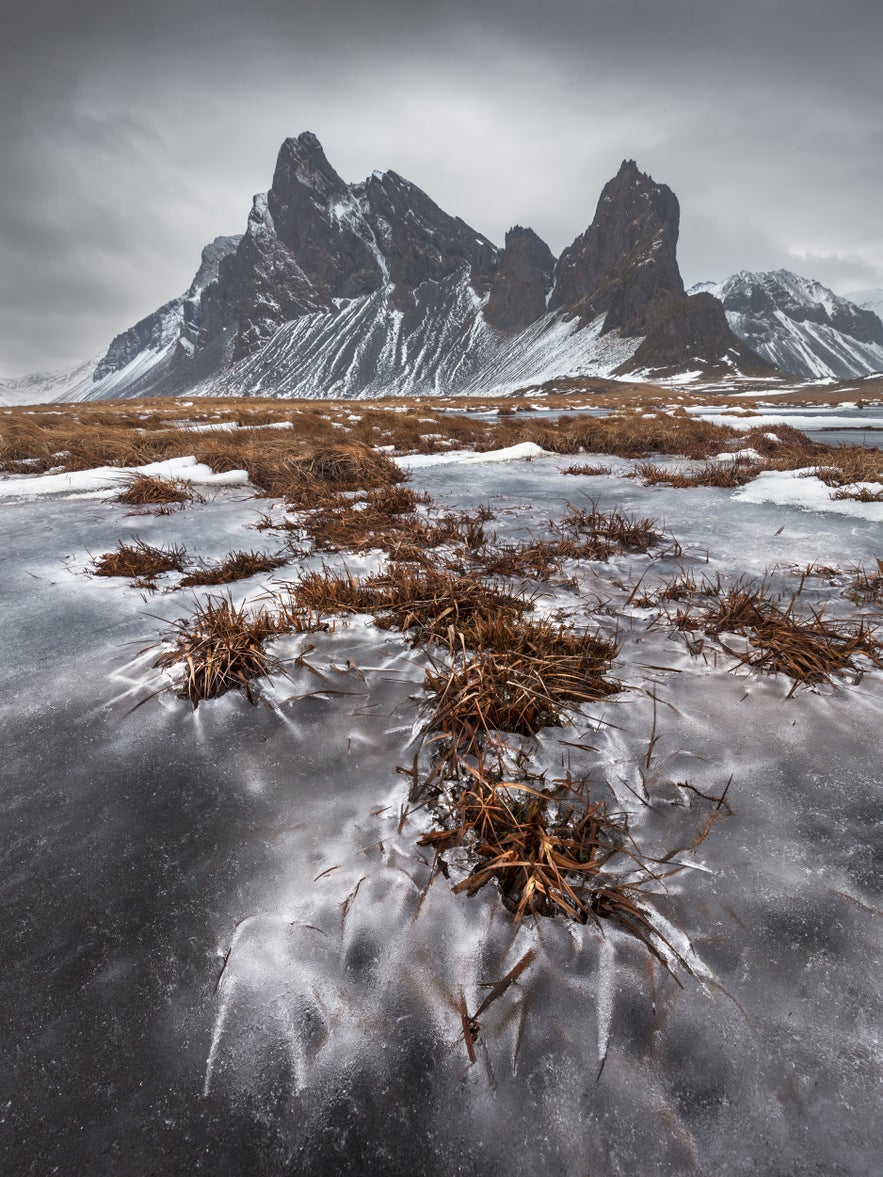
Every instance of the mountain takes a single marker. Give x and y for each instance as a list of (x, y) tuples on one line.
[(44, 387), (370, 288), (150, 357), (799, 325), (868, 300)]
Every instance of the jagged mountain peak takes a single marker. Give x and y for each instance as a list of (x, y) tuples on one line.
[(522, 281), (625, 263), (366, 287)]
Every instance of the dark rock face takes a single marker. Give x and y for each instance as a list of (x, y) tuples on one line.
[(522, 281), (315, 239), (625, 265), (692, 331)]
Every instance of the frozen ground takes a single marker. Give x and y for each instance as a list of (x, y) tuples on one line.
[(215, 955)]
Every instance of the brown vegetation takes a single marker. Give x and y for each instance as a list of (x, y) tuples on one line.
[(140, 560), (234, 566), (143, 490), (219, 648)]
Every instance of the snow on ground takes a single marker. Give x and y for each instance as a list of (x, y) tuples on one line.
[(216, 954), (512, 453), (104, 481), (799, 488)]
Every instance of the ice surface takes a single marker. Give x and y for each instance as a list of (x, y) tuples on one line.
[(799, 488), (218, 955)]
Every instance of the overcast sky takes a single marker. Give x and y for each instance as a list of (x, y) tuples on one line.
[(132, 133)]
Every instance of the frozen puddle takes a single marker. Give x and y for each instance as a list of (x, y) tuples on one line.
[(221, 951)]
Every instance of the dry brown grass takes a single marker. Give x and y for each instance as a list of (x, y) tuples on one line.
[(342, 467), (720, 474), (507, 673), (142, 490), (544, 854), (593, 471), (139, 560), (425, 602), (809, 649), (866, 587), (625, 434), (615, 531), (533, 559), (219, 648), (234, 566), (862, 494)]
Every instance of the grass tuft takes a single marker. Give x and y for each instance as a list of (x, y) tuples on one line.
[(143, 490), (138, 560), (219, 648), (235, 566)]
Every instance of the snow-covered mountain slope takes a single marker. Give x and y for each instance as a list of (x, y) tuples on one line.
[(362, 349), (800, 325), (39, 388), (144, 358), (371, 288), (868, 300)]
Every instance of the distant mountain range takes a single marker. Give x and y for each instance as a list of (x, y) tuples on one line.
[(868, 300), (370, 288), (801, 326), (366, 289)]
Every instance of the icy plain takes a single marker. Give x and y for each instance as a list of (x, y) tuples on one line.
[(216, 954)]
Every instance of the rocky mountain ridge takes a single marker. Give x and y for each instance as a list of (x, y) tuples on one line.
[(371, 288), (799, 325)]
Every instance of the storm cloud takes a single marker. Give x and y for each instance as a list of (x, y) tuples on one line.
[(131, 134)]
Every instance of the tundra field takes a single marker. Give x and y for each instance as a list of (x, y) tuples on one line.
[(439, 786)]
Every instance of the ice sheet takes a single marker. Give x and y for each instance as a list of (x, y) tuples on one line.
[(216, 955)]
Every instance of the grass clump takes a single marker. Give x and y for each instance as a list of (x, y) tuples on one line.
[(425, 602), (354, 466), (866, 587), (138, 560), (220, 648), (234, 566), (615, 531), (147, 490), (592, 470), (809, 649), (541, 852), (729, 474)]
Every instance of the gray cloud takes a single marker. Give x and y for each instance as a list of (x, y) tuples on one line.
[(130, 135)]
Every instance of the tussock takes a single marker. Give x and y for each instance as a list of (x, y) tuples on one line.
[(423, 601), (234, 566), (143, 490), (610, 532), (808, 649), (219, 648), (721, 474), (587, 468), (140, 560)]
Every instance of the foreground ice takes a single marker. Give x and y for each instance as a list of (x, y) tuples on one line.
[(218, 953)]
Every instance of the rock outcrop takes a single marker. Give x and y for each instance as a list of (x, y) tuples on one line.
[(522, 281)]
